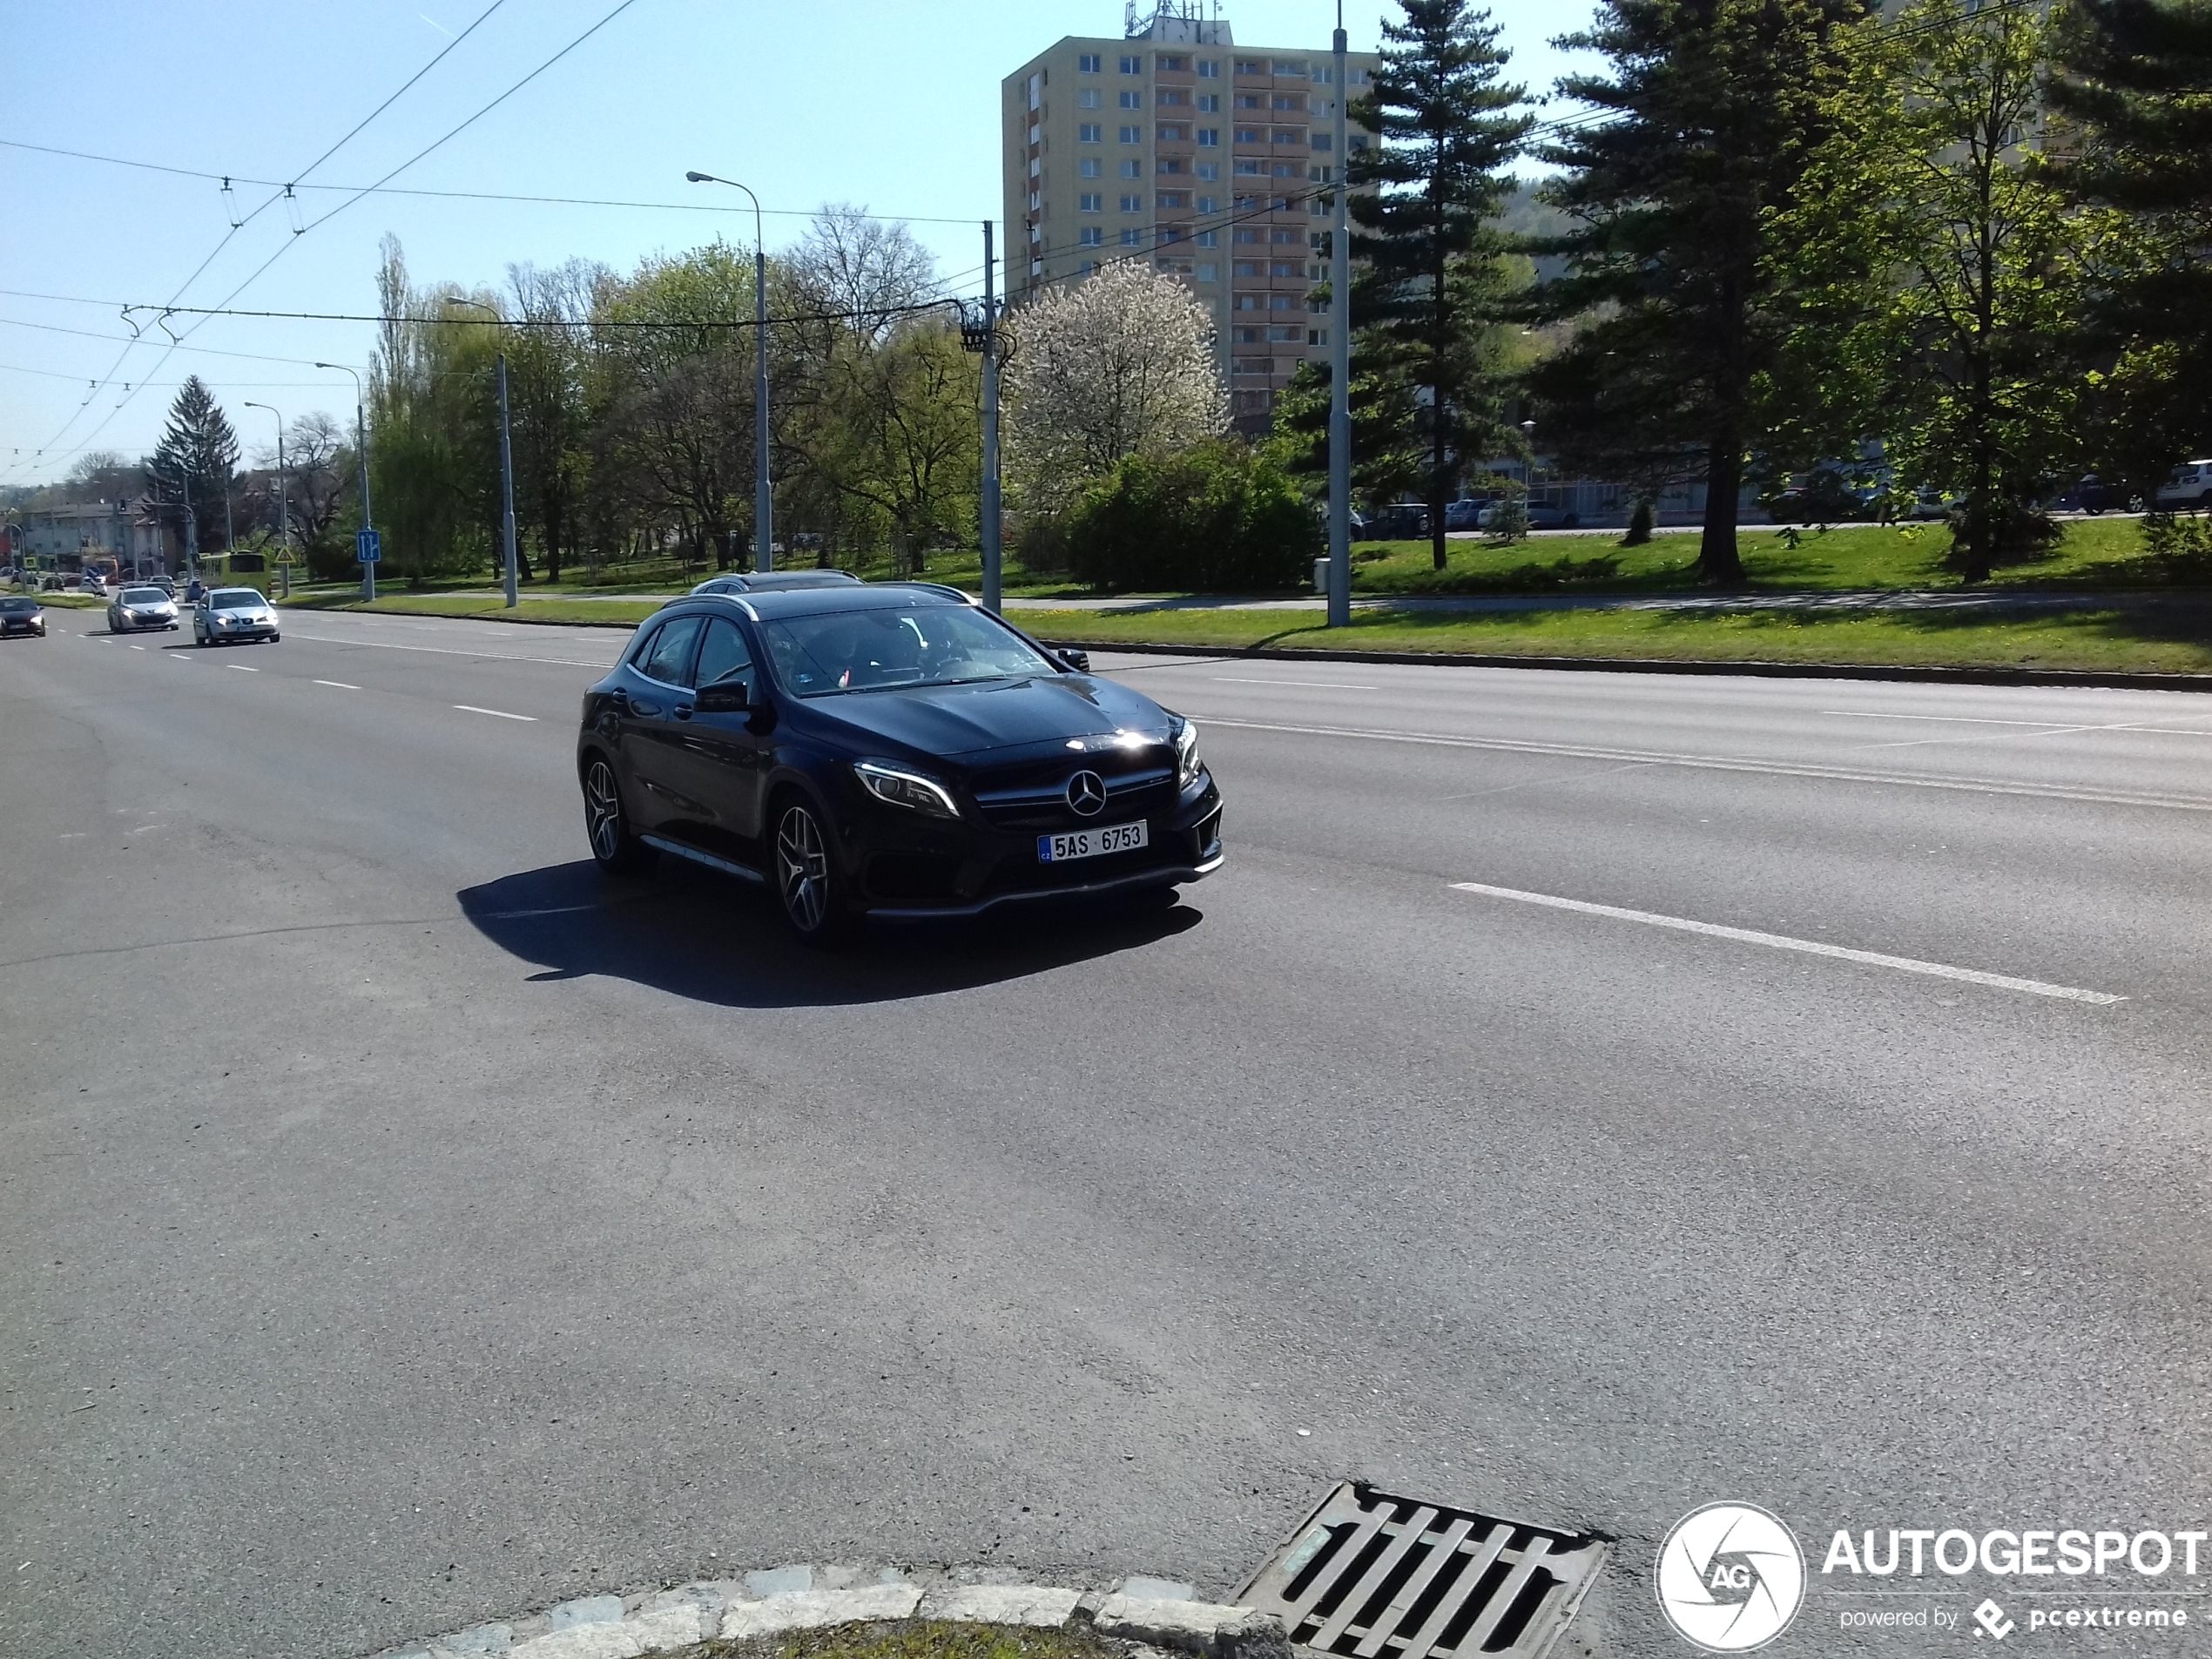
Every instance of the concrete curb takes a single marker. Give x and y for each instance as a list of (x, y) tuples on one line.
[(1665, 666), (1144, 1612)]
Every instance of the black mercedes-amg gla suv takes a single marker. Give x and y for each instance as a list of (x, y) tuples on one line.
[(887, 750)]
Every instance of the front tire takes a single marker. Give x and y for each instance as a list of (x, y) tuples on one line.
[(809, 887), (614, 849)]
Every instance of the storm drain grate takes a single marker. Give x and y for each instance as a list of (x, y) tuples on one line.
[(1370, 1576)]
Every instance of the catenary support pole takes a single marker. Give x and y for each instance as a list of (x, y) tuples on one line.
[(1340, 365), (992, 548)]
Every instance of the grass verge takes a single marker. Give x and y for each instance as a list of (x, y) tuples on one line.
[(916, 1639), (2101, 642), (613, 612)]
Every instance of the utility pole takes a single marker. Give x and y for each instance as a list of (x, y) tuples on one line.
[(361, 461), (993, 550), (283, 516), (764, 493), (506, 485), (1340, 365)]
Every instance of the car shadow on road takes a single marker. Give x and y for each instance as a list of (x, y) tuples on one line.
[(711, 938)]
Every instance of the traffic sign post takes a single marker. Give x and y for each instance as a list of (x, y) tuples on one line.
[(368, 547)]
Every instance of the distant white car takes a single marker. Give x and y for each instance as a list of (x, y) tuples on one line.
[(135, 607), (2190, 486)]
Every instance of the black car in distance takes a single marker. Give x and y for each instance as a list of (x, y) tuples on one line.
[(889, 750)]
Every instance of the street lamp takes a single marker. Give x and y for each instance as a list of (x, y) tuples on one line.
[(191, 522), (361, 461), (764, 500), (1340, 361), (506, 460), (282, 542)]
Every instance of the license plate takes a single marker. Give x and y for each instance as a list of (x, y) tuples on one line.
[(1092, 843)]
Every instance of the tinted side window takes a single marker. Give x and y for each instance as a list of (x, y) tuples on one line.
[(641, 645), (723, 655), (670, 652)]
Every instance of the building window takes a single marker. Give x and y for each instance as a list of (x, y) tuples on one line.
[(1033, 133), (1245, 267), (1169, 96), (1282, 268), (1132, 66), (1285, 135), (1208, 204), (1132, 238), (1282, 302), (1174, 198), (1209, 69), (1285, 170), (1209, 138), (1088, 267), (1090, 167), (1171, 232), (1281, 68), (1356, 77), (1087, 63), (1132, 203), (1036, 201), (1092, 236), (1209, 170), (1317, 336), (1088, 99), (1173, 134), (1209, 239), (1247, 336), (1210, 103), (1249, 101), (1249, 301), (1173, 65), (1251, 169), (1132, 100), (1323, 75), (1251, 66), (1171, 163), (1246, 233), (1089, 132), (1090, 202), (1132, 135), (1251, 135), (1287, 337), (1323, 141), (1289, 100), (1320, 206), (1284, 236), (1132, 169), (1036, 166), (1208, 273), (1358, 141)]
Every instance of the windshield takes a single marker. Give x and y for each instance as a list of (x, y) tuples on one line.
[(18, 606), (144, 597), (235, 599), (874, 650)]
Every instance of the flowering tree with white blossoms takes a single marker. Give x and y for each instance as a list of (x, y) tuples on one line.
[(1118, 364)]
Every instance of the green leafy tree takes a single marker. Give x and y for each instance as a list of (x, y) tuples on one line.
[(1704, 115), (199, 445), (2136, 95), (1941, 275), (1218, 516), (1432, 292)]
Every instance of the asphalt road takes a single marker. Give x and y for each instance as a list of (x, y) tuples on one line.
[(400, 1227)]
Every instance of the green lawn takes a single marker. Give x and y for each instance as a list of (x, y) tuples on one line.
[(2101, 641), (612, 612), (2094, 553)]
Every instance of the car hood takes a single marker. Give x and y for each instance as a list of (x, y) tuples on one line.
[(956, 721)]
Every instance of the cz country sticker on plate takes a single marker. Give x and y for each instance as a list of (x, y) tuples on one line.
[(1093, 843)]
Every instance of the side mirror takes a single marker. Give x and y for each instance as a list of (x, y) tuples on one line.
[(1078, 660), (724, 698)]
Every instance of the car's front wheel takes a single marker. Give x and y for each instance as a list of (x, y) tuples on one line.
[(614, 849), (808, 885)]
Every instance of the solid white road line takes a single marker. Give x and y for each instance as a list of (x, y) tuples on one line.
[(2059, 726), (467, 708), (1334, 685), (1722, 762), (339, 685), (1778, 941)]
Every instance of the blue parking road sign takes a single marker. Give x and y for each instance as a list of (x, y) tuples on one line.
[(368, 547)]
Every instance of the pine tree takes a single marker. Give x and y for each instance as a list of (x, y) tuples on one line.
[(1433, 288), (1704, 120), (2136, 92), (200, 446)]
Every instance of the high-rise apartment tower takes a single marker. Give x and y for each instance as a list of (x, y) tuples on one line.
[(1206, 160)]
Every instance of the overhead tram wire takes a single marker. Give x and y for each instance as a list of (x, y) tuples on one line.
[(449, 134)]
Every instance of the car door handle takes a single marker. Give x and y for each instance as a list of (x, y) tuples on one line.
[(682, 710), (638, 705)]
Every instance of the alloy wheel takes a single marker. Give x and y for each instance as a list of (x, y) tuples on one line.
[(602, 812), (802, 870)]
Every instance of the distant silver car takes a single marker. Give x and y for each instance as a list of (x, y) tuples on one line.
[(227, 616), (133, 609)]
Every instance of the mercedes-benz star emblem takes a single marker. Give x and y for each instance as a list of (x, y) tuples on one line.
[(1087, 793)]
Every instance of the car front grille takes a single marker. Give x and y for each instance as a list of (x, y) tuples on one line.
[(1035, 797)]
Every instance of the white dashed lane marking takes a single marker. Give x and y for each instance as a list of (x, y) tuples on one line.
[(338, 685), (501, 714), (242, 668), (1778, 941)]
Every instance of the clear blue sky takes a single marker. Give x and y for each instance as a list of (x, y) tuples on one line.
[(889, 104)]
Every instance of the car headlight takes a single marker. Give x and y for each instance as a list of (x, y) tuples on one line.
[(905, 789), (1187, 764)]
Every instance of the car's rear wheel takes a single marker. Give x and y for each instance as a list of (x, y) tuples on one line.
[(808, 885), (614, 849)]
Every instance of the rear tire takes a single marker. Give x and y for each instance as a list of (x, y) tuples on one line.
[(810, 889), (615, 848)]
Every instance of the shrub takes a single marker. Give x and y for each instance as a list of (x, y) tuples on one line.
[(1640, 523), (1215, 518)]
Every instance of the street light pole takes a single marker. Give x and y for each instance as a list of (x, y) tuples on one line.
[(764, 499), (361, 461), (506, 468), (191, 522), (994, 549), (1340, 367), (283, 516)]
